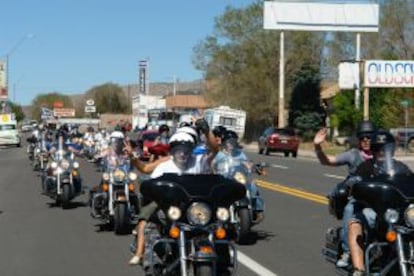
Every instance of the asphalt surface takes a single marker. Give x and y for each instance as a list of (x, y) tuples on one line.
[(38, 238)]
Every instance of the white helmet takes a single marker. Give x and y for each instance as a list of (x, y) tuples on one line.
[(188, 130), (181, 138), (117, 134)]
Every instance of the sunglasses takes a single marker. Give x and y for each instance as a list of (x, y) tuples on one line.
[(363, 137)]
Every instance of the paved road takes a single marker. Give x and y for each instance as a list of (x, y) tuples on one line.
[(37, 238)]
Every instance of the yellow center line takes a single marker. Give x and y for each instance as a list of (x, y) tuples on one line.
[(291, 191)]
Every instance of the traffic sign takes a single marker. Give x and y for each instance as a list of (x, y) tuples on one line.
[(405, 103), (90, 102), (64, 112), (90, 108)]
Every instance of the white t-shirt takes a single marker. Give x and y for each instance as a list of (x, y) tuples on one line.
[(198, 165)]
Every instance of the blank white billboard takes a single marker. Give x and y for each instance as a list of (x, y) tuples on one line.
[(348, 75), (349, 16)]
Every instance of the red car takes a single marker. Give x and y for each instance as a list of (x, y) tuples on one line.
[(147, 142), (279, 140)]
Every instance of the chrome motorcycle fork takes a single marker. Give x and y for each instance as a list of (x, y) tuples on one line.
[(183, 253), (401, 256), (58, 183), (111, 197), (232, 214), (126, 191)]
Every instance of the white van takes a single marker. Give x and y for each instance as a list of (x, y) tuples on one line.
[(232, 119), (9, 134)]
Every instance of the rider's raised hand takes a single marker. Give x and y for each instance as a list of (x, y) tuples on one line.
[(127, 148), (320, 136)]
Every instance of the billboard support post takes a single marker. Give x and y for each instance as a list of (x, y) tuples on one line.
[(357, 58), (281, 117)]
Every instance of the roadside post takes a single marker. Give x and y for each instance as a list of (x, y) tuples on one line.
[(406, 104)]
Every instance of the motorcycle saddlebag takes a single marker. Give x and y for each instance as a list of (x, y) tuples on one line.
[(338, 198)]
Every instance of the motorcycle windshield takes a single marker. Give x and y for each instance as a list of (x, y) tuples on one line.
[(383, 192), (173, 189), (234, 166)]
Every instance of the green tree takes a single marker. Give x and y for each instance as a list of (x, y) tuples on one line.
[(109, 98), (47, 100), (17, 110), (306, 112), (344, 110)]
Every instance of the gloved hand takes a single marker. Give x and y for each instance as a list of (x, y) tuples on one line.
[(202, 125)]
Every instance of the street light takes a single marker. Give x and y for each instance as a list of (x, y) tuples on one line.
[(16, 46)]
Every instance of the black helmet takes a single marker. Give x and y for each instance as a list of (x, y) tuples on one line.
[(365, 128), (229, 134), (163, 128), (219, 131), (382, 139)]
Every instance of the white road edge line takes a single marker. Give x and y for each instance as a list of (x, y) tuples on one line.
[(253, 265), (279, 166), (334, 176)]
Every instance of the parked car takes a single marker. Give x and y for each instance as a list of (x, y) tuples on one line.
[(279, 140), (404, 137), (27, 128)]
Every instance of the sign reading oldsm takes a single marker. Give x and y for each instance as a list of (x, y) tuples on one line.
[(389, 73)]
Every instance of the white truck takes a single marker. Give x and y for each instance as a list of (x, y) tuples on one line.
[(232, 119), (9, 134)]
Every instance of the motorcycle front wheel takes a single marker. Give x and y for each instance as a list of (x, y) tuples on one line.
[(121, 221), (65, 197), (203, 269), (244, 225)]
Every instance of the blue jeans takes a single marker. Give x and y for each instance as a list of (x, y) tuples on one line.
[(355, 211), (258, 202)]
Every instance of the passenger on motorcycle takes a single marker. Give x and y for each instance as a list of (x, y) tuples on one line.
[(352, 158), (181, 161), (383, 163)]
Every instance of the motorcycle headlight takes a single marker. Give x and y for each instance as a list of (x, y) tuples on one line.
[(119, 175), (198, 213), (65, 164), (222, 214), (132, 176), (37, 150), (391, 216), (240, 177), (105, 176), (53, 165), (409, 215), (75, 165), (174, 213)]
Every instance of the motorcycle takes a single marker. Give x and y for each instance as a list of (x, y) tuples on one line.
[(31, 146), (116, 204), (190, 235), (41, 156), (62, 181), (389, 247), (243, 213), (89, 149)]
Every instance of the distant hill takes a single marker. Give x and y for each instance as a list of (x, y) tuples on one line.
[(157, 88)]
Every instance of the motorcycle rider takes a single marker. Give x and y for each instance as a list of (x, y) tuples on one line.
[(182, 160), (230, 147), (383, 163), (352, 158), (164, 134)]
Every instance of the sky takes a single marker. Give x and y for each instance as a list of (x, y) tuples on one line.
[(70, 46)]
